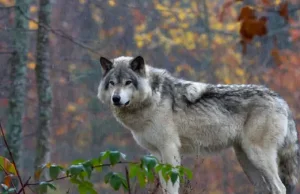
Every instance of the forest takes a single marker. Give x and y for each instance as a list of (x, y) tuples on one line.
[(57, 137)]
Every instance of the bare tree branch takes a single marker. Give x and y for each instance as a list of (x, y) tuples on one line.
[(60, 33), (12, 158)]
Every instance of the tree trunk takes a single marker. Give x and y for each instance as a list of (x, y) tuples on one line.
[(18, 79), (43, 86)]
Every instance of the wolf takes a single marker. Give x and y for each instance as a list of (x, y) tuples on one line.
[(172, 117)]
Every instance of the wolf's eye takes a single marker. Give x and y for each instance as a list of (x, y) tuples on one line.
[(128, 82), (112, 83)]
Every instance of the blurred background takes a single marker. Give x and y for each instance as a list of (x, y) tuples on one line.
[(216, 41)]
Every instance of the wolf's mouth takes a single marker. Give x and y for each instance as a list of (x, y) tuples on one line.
[(120, 105)]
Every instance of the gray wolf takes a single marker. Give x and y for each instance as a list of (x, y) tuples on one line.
[(172, 117)]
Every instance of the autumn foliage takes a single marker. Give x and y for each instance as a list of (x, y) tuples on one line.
[(231, 42)]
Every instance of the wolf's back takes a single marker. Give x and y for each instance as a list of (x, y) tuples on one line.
[(289, 156)]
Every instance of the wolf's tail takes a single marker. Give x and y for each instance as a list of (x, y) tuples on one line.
[(289, 156)]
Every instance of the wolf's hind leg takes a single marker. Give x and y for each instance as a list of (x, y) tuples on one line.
[(264, 159), (253, 174)]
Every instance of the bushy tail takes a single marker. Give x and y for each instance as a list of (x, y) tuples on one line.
[(289, 156)]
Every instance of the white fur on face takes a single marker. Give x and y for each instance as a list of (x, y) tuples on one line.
[(125, 94)]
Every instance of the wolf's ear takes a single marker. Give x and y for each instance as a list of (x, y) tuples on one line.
[(138, 64), (106, 65)]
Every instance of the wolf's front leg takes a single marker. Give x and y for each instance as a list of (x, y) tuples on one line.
[(170, 154)]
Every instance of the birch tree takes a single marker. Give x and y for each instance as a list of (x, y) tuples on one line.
[(43, 85), (18, 78)]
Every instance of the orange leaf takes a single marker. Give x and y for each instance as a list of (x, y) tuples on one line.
[(31, 65), (7, 180), (33, 25), (246, 13), (266, 2), (283, 10), (253, 27)]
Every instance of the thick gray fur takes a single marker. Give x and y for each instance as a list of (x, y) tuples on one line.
[(172, 117)]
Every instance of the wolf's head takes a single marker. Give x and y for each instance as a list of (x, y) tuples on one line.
[(124, 81)]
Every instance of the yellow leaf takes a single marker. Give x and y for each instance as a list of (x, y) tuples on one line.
[(33, 25), (141, 27), (232, 27), (33, 9), (181, 15), (139, 44), (184, 25), (240, 72), (219, 39), (31, 65), (216, 25), (71, 108), (227, 80), (177, 40), (160, 7), (277, 2), (82, 1), (112, 3), (189, 36), (48, 165)]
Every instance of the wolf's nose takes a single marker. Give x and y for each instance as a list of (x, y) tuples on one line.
[(116, 98)]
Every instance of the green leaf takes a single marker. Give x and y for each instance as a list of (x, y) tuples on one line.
[(12, 190), (107, 177), (150, 176), (5, 187), (158, 167), (86, 187), (54, 171), (88, 167), (43, 187), (95, 162), (76, 169), (114, 157), (149, 161), (7, 166), (188, 172), (174, 175), (165, 171), (141, 178), (74, 180), (115, 182), (78, 161), (134, 169), (103, 156)]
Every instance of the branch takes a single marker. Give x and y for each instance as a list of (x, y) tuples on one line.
[(26, 184), (59, 33), (127, 179), (12, 158), (68, 176)]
